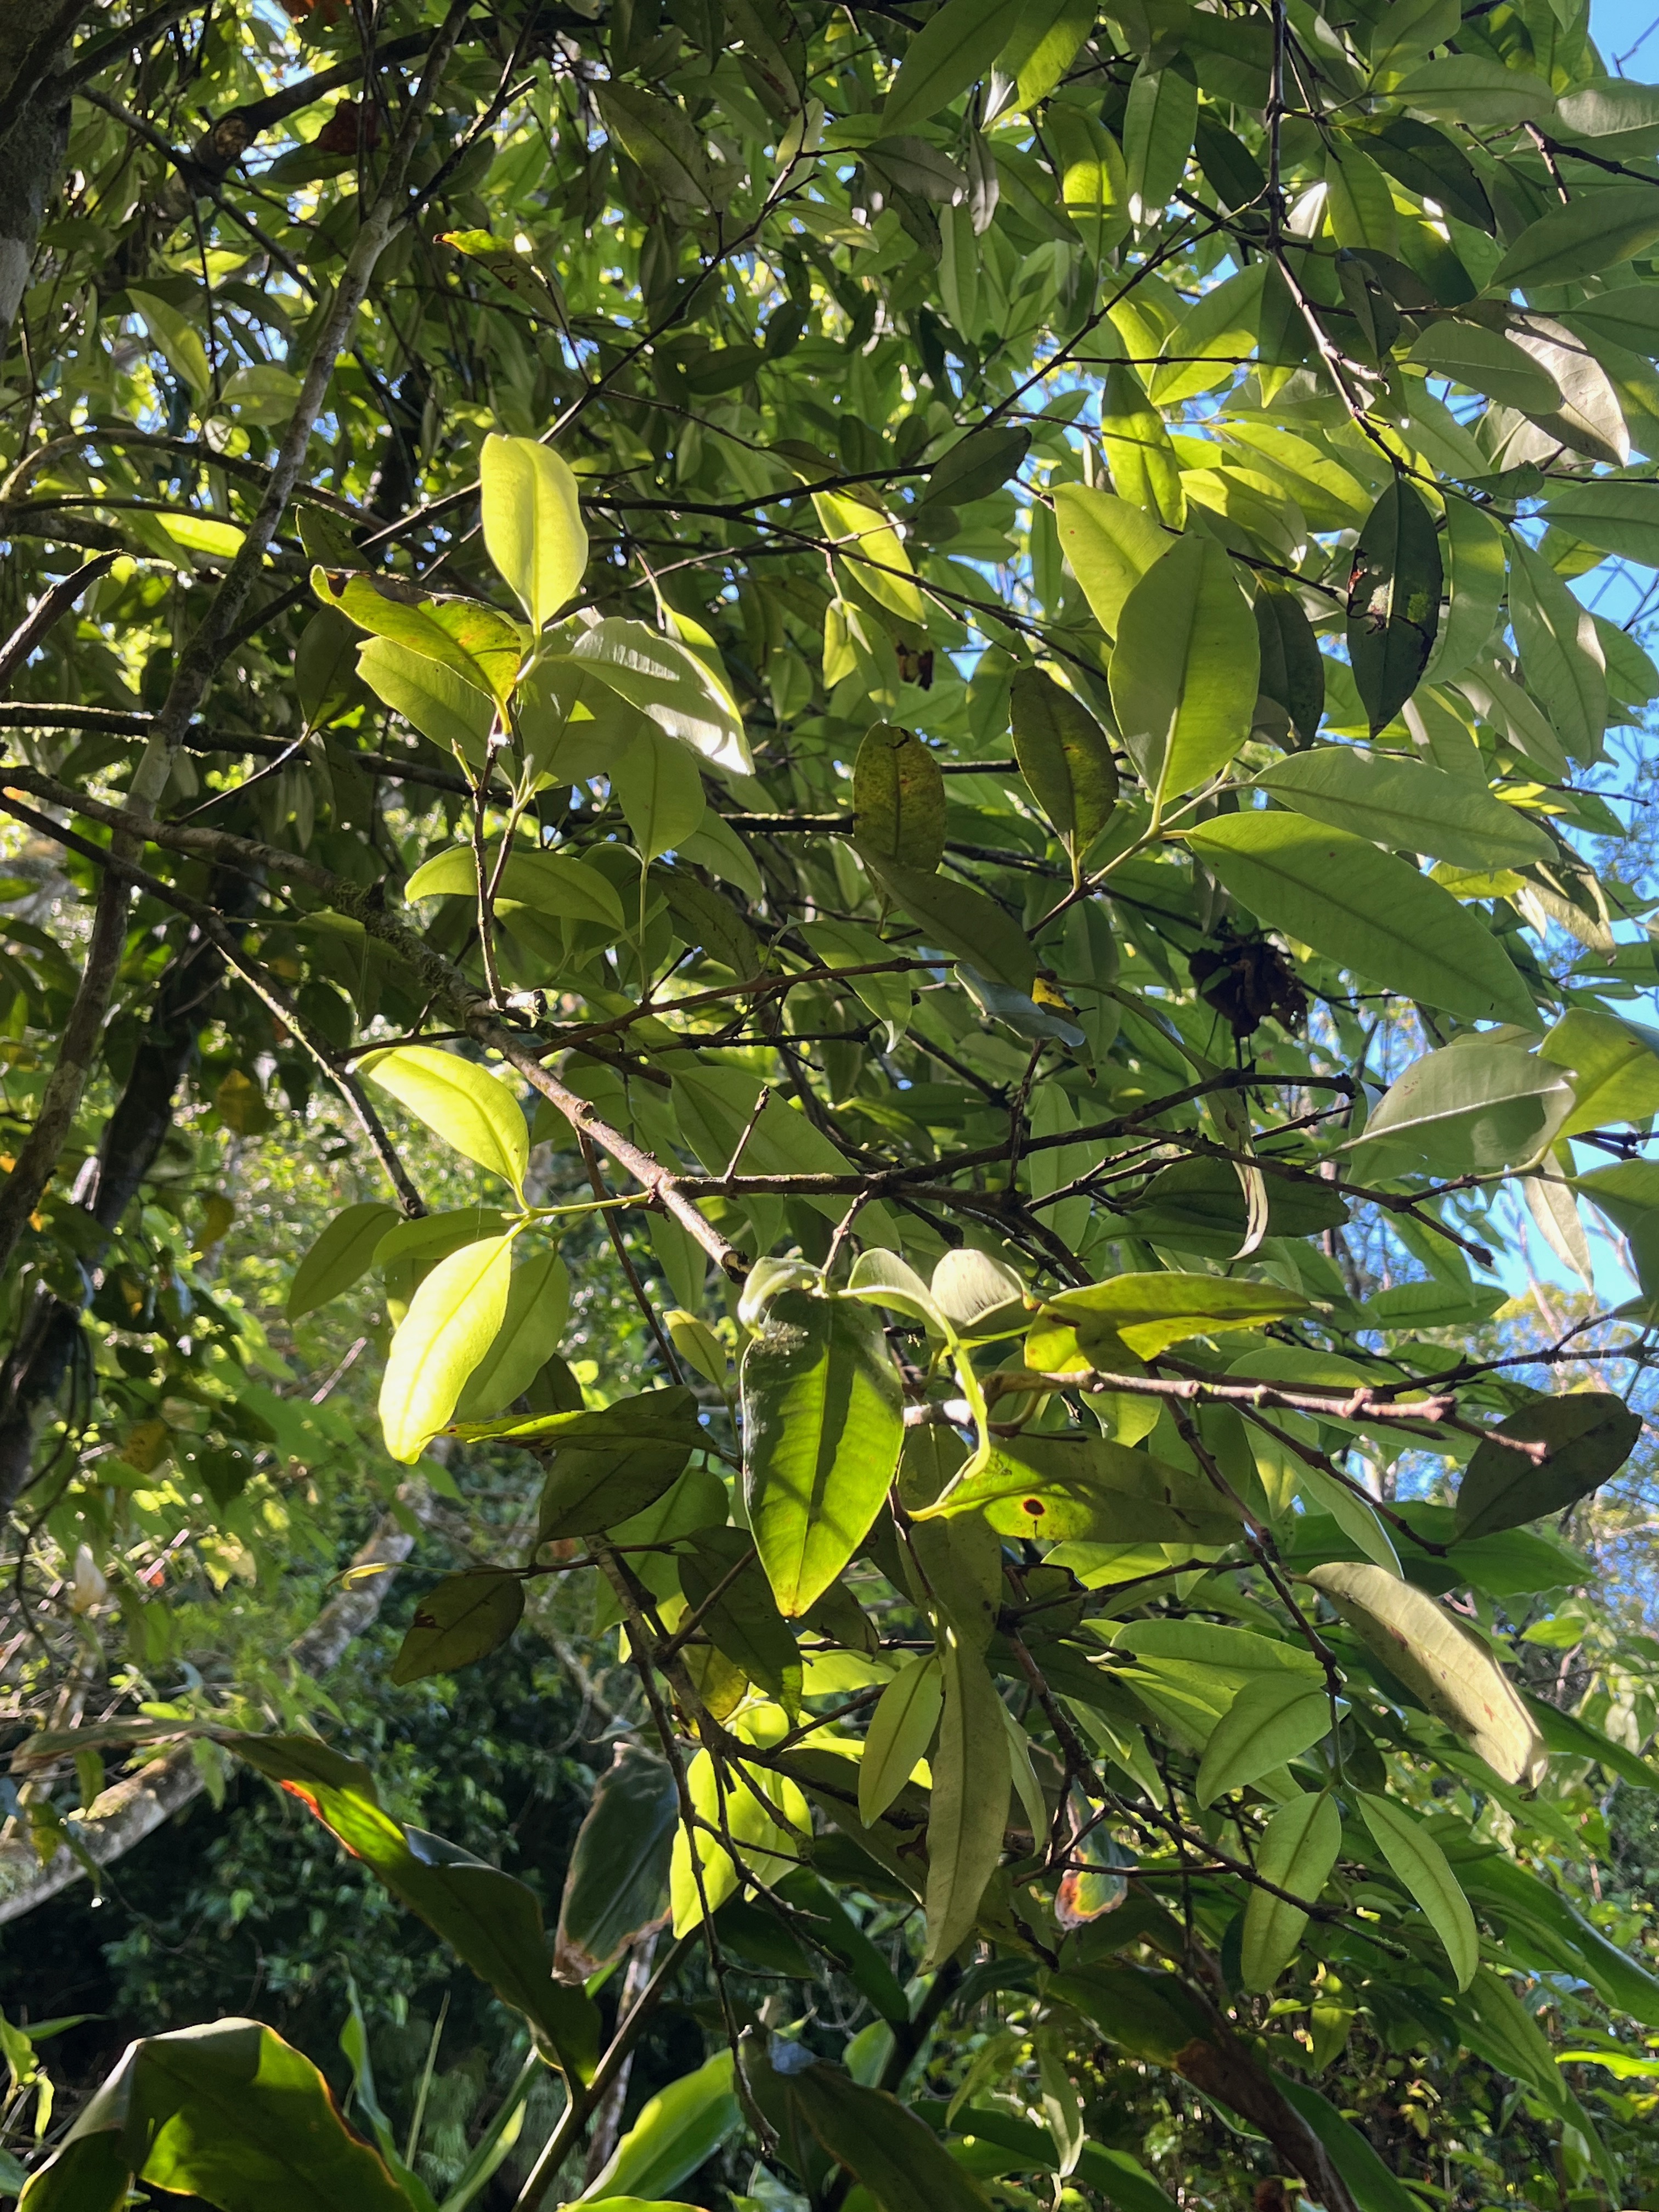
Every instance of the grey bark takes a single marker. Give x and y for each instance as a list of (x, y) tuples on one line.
[(35, 112)]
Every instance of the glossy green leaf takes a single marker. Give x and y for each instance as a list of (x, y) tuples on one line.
[(979, 1295), (460, 1102), (1613, 1065), (677, 2131), (1598, 227), (883, 1279), (452, 1318), (342, 1255), (1560, 651), (1296, 1851), (758, 1812), (1186, 668), (605, 1466), (1590, 419), (1292, 666), (532, 523), (1422, 1867), (1475, 571), (1484, 359), (1476, 91), (901, 1728), (227, 2114), (976, 465), (969, 1804), (1617, 518), (1408, 806), (551, 883), (681, 690), (1374, 2185), (959, 42), (898, 2158), (1150, 1312), (1077, 1486), (1588, 1436), (1158, 125), (1212, 339), (898, 800), (1140, 453), (1358, 1520), (1274, 1719), (724, 1584), (475, 644), (1365, 909), (658, 786), (660, 136), (460, 1621), (874, 554), (821, 1429), (441, 705), (1394, 601), (963, 921), (1444, 1665), (1094, 184)]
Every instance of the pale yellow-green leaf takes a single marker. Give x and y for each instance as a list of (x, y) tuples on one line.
[(460, 1102), (451, 1321), (532, 523)]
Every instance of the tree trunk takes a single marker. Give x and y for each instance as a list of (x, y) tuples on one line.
[(34, 1370), (34, 114)]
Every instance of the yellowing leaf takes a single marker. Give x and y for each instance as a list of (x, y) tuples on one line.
[(1445, 1666)]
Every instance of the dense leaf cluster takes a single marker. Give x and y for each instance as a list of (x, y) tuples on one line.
[(921, 667)]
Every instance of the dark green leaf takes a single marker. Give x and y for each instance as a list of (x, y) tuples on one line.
[(964, 921), (605, 1467), (228, 2113), (1394, 601), (616, 1884), (1065, 757), (1292, 666), (743, 1621), (1586, 1437), (458, 1622), (342, 1255)]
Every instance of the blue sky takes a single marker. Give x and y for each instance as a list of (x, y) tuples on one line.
[(1617, 25)]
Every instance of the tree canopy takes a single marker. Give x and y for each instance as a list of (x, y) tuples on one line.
[(865, 734)]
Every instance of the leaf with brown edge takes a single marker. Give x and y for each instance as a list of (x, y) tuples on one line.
[(460, 1621)]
